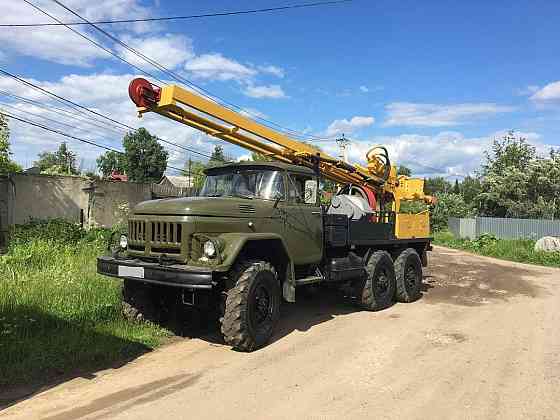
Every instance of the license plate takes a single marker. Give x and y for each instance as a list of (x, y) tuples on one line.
[(126, 271)]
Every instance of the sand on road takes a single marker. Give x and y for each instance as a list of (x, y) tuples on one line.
[(483, 342)]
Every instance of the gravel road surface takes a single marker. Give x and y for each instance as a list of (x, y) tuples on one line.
[(483, 342)]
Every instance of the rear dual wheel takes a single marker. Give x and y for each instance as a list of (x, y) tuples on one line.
[(408, 272), (386, 280), (376, 290)]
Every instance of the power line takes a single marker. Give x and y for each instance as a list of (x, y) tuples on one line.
[(53, 130), (65, 113), (71, 115), (74, 104), (39, 116), (165, 70), (97, 44), (168, 18)]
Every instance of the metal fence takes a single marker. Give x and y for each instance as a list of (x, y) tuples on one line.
[(503, 228)]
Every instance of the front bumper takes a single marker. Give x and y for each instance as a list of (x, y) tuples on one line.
[(175, 275)]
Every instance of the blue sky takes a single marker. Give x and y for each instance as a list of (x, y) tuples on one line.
[(434, 81)]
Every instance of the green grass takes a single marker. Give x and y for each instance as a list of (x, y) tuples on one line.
[(519, 250), (58, 316)]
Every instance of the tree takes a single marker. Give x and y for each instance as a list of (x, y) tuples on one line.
[(435, 185), (111, 161), (447, 205), (456, 187), (257, 157), (61, 162), (146, 160), (7, 166), (195, 170), (516, 182), (470, 188), (403, 170), (218, 157)]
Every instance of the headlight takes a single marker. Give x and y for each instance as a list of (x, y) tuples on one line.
[(209, 249), (123, 242)]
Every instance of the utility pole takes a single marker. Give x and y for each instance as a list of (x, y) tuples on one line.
[(343, 144), (191, 183)]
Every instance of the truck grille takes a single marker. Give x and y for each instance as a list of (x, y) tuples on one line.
[(155, 237), (136, 232), (166, 233)]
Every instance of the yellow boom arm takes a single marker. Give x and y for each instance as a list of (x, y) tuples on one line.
[(191, 109)]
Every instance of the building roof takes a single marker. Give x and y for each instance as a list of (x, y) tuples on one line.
[(177, 181)]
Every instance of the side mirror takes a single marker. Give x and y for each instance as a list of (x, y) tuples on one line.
[(310, 191), (277, 197)]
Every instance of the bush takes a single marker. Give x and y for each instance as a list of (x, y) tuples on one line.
[(520, 250), (413, 207), (58, 230), (447, 205), (483, 241), (56, 313)]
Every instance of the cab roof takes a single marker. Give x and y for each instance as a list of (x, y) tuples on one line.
[(269, 165)]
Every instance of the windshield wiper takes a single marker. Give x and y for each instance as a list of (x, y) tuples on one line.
[(248, 197), (214, 195)]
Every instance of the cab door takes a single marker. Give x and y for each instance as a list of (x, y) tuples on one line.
[(303, 224)]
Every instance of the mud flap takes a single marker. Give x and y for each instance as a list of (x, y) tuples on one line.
[(289, 285)]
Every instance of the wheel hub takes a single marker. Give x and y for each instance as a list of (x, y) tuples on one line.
[(262, 306), (382, 283)]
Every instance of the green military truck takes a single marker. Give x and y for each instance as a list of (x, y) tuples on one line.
[(256, 233)]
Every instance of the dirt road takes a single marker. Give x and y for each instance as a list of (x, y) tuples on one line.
[(483, 342)]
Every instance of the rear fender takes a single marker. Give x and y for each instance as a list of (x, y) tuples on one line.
[(264, 246)]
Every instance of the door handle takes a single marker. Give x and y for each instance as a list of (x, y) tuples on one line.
[(315, 212)]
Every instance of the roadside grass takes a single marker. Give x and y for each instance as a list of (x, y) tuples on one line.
[(519, 250), (57, 316)]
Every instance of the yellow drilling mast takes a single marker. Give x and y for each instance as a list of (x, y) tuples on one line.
[(204, 114)]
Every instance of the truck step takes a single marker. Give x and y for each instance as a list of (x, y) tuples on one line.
[(309, 280)]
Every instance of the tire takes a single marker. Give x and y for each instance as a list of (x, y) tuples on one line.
[(377, 289), (408, 272), (252, 306), (137, 302)]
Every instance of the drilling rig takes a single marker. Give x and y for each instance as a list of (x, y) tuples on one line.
[(258, 232)]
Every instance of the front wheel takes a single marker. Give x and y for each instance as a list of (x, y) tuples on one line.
[(252, 306)]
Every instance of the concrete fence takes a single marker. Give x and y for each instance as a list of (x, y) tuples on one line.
[(79, 200), (503, 228)]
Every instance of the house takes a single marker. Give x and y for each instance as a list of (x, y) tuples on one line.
[(176, 181), (116, 176)]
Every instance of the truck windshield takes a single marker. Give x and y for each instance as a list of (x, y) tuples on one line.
[(246, 183)]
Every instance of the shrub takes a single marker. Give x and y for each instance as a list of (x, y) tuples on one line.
[(447, 205)]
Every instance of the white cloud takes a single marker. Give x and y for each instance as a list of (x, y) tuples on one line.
[(58, 44), (273, 70), (549, 92), (107, 94), (345, 126), (448, 153), (364, 89), (218, 67), (264, 91), (171, 51), (433, 115)]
